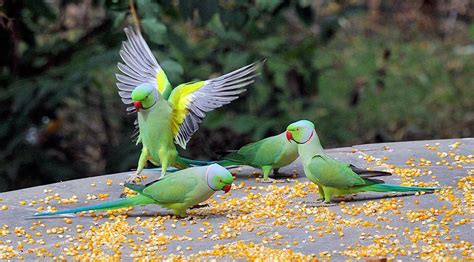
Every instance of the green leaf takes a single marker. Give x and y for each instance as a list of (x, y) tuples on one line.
[(207, 9), (155, 30), (267, 5), (471, 31), (148, 8), (119, 17), (173, 70)]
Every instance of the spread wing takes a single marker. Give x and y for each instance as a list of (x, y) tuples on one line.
[(191, 101), (140, 66)]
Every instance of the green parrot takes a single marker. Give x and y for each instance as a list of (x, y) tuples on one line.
[(334, 177), (177, 191), (166, 115), (267, 154)]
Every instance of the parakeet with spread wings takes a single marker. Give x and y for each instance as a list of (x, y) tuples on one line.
[(165, 115)]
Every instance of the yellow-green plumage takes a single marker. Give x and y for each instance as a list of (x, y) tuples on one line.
[(332, 176), (267, 154), (166, 115), (177, 191), (155, 135)]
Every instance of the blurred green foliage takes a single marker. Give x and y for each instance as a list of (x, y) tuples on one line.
[(363, 72)]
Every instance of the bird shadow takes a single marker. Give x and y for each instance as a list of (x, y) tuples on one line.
[(374, 197), (339, 200), (132, 215)]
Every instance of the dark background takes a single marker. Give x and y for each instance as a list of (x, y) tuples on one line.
[(363, 71)]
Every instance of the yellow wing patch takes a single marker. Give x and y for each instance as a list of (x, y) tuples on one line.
[(180, 98), (162, 81)]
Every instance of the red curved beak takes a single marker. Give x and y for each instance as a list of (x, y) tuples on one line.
[(137, 105), (227, 188), (289, 136)]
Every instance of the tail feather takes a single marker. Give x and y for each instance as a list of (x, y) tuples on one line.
[(185, 163), (233, 158), (158, 169), (192, 162), (135, 187), (364, 173), (182, 163), (226, 163), (224, 152), (119, 203), (397, 188)]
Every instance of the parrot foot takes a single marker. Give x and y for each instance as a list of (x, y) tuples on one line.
[(133, 179), (188, 218)]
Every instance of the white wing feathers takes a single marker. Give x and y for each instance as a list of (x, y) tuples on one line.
[(140, 65), (213, 94)]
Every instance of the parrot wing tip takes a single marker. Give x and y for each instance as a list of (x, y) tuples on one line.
[(39, 214)]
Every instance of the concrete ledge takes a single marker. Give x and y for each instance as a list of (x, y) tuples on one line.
[(264, 221)]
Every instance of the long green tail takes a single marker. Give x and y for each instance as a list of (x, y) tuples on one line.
[(158, 169), (232, 158), (226, 162), (192, 162), (397, 188), (182, 163), (119, 203)]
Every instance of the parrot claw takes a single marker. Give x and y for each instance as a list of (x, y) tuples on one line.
[(188, 218), (132, 179), (123, 195)]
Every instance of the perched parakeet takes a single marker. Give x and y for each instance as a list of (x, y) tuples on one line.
[(177, 191), (334, 177), (168, 115), (267, 154)]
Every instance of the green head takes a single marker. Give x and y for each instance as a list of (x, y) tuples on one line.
[(144, 96), (219, 178), (301, 131)]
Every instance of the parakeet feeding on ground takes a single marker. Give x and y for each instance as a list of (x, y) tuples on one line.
[(176, 191), (334, 177), (267, 154), (168, 115)]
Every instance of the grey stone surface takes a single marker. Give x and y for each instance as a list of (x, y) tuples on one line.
[(291, 230)]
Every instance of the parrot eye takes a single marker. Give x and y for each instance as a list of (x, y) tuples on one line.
[(220, 180), (298, 129)]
